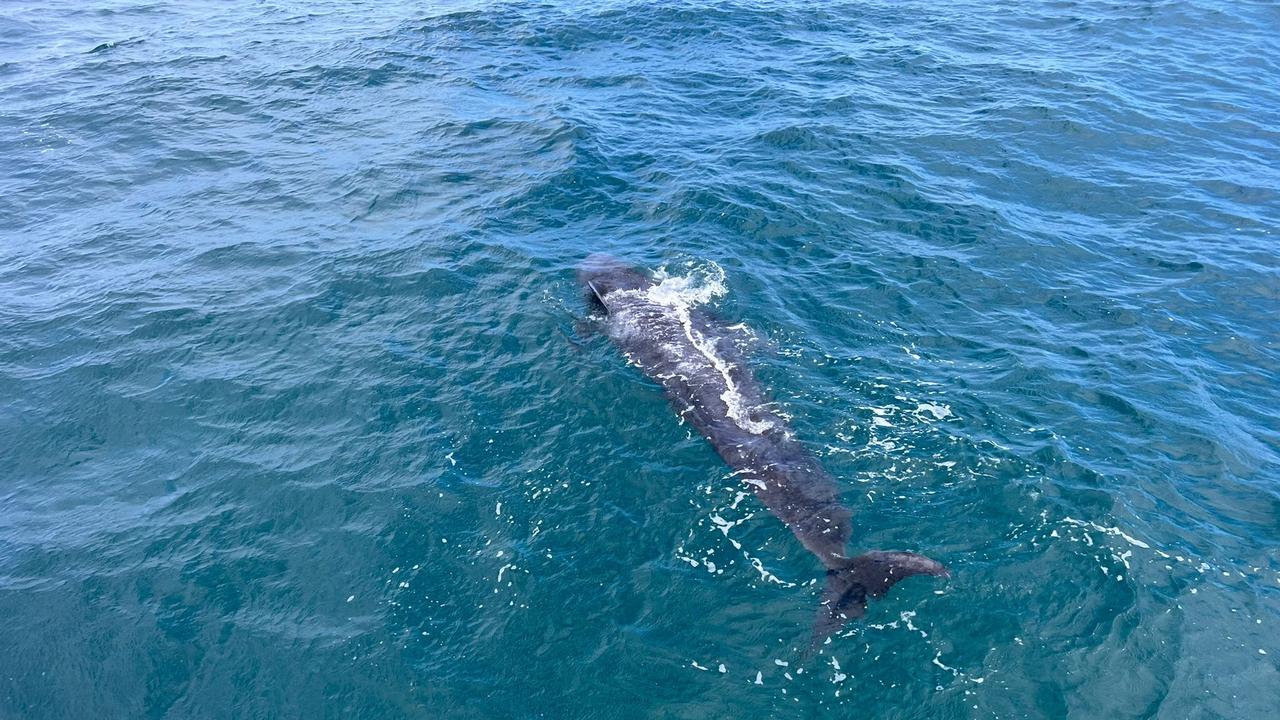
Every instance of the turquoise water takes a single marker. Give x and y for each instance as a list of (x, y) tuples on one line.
[(297, 420)]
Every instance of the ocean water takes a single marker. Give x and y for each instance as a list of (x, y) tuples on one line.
[(298, 419)]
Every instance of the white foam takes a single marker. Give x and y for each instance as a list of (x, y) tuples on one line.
[(939, 412), (1115, 531), (764, 573), (725, 526), (681, 293)]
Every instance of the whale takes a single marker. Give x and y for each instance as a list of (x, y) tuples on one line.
[(692, 355)]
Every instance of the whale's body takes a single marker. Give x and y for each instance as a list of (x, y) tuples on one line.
[(693, 358)]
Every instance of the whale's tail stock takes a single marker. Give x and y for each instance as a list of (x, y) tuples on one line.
[(852, 583)]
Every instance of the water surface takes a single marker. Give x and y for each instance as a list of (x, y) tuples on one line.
[(296, 419)]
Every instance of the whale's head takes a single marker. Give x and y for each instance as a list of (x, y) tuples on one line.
[(601, 275)]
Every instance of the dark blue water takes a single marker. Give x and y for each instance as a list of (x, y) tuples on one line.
[(296, 420)]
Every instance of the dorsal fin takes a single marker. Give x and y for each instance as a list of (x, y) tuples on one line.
[(599, 295)]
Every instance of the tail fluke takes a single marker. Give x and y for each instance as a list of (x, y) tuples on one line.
[(849, 586)]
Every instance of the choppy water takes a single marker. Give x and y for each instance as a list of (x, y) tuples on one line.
[(295, 420)]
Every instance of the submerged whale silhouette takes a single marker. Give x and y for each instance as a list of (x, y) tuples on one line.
[(692, 357)]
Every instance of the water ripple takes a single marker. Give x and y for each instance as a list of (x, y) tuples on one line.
[(300, 419)]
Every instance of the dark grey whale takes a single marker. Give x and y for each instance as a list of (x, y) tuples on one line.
[(686, 351)]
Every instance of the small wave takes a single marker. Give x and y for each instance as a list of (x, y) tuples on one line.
[(703, 284)]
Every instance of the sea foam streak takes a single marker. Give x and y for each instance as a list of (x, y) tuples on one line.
[(682, 293)]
